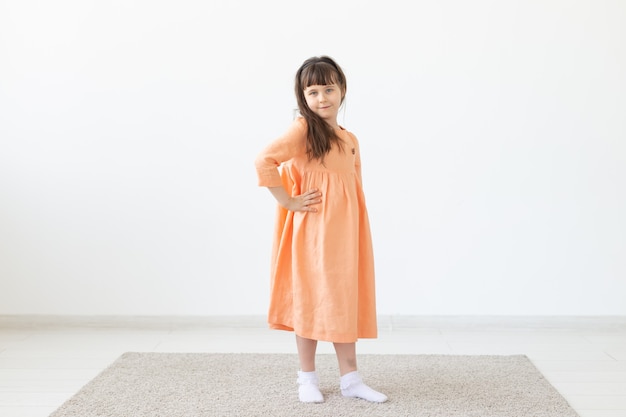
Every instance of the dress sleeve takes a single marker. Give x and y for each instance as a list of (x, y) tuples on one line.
[(287, 146)]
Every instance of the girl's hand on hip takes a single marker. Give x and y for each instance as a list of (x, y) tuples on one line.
[(304, 201)]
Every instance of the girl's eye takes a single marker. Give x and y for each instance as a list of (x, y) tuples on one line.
[(330, 90)]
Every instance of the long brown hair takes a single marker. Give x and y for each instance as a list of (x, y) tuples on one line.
[(320, 70)]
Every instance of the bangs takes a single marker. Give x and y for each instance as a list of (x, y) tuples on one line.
[(320, 73)]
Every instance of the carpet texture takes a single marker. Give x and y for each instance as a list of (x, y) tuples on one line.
[(208, 384)]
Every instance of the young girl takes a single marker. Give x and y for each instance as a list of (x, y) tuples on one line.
[(322, 275)]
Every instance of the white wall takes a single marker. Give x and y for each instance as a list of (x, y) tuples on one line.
[(493, 136)]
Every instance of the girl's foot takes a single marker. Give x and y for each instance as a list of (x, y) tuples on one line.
[(308, 388), (352, 386)]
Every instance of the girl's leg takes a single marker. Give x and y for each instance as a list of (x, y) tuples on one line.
[(346, 356), (306, 353), (351, 383), (308, 382)]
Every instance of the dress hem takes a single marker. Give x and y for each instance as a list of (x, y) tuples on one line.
[(324, 338)]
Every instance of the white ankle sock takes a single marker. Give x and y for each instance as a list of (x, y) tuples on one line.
[(352, 385), (308, 388)]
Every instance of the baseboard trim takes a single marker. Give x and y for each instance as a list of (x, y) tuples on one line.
[(385, 322)]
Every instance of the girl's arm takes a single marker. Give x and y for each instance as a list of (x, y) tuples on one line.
[(290, 144), (287, 146), (302, 202)]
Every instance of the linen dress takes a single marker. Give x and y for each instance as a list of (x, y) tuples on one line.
[(322, 270)]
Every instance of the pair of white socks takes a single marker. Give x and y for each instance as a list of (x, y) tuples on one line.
[(351, 386)]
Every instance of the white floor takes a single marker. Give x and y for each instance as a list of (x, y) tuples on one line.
[(45, 360)]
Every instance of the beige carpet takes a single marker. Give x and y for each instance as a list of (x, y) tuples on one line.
[(203, 384)]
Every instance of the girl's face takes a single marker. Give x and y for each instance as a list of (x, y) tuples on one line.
[(325, 101)]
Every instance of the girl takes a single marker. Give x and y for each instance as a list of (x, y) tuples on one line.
[(322, 275)]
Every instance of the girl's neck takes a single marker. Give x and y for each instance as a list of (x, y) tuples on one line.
[(334, 125)]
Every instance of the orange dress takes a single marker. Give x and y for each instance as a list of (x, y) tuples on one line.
[(322, 271)]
